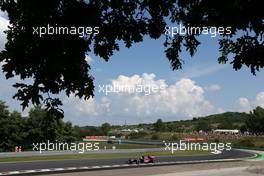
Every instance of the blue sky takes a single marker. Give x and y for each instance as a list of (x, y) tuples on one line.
[(202, 87), (149, 57)]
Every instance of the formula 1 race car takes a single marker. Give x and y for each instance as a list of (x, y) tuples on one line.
[(142, 159)]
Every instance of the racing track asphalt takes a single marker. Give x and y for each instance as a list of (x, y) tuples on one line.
[(6, 167)]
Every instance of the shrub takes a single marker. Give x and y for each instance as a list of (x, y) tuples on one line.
[(216, 140), (261, 146), (139, 135), (155, 137), (245, 143), (174, 137)]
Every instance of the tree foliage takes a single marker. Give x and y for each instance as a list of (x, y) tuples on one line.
[(16, 130), (227, 120), (203, 125), (159, 126), (106, 127), (12, 128), (56, 63), (89, 131), (255, 122)]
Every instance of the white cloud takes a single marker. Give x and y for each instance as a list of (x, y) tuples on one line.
[(212, 88), (3, 14), (88, 59), (260, 99), (90, 107), (245, 105), (182, 99), (3, 26)]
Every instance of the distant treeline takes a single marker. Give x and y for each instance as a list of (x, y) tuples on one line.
[(252, 122), (40, 126)]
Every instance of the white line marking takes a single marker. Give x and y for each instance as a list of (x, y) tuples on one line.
[(106, 166), (29, 171), (71, 168), (13, 172), (45, 170), (84, 167), (117, 165)]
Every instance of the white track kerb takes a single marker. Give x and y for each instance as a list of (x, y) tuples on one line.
[(102, 167)]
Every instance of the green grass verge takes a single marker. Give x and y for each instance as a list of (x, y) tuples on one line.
[(101, 155)]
